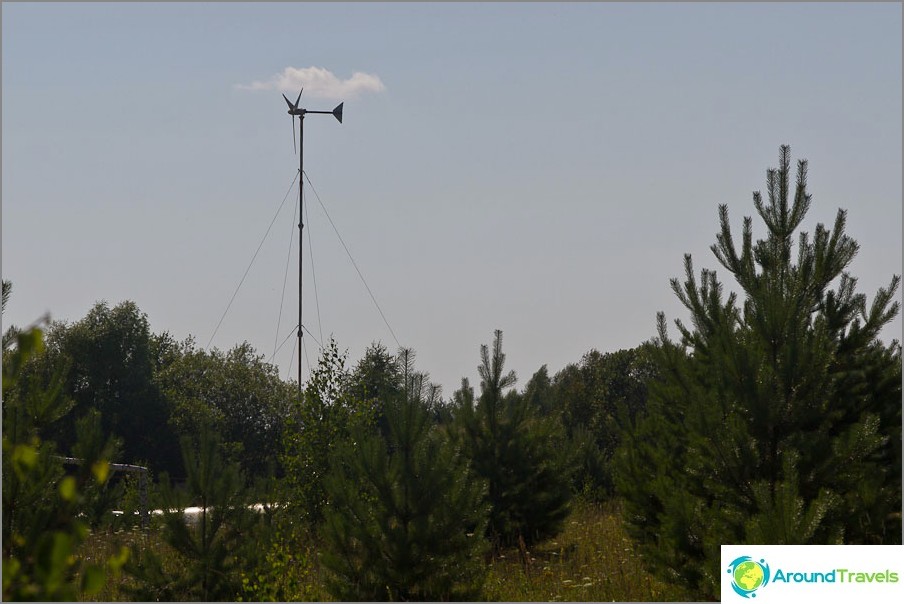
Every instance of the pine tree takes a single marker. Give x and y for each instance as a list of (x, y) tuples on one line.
[(42, 504), (776, 420), (211, 549), (405, 516), (520, 453), (9, 336)]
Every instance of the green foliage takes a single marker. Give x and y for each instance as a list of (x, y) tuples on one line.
[(237, 394), (285, 572), (9, 336), (777, 420), (321, 421), (98, 497), (591, 560), (7, 292), (41, 530), (111, 359), (214, 547), (591, 396), (405, 517), (592, 476), (520, 453), (376, 378), (539, 392), (151, 390)]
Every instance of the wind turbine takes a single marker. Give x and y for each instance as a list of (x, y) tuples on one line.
[(294, 110)]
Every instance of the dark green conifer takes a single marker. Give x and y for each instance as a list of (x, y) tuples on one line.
[(405, 517), (42, 501), (776, 419), (214, 546), (520, 452)]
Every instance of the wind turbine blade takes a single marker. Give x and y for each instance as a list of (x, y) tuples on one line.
[(294, 146), (288, 102), (299, 97)]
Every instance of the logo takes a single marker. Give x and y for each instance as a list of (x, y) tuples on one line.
[(748, 575)]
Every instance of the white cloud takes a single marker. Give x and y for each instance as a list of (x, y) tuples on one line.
[(319, 83)]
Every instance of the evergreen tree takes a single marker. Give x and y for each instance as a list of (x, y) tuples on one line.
[(377, 377), (9, 336), (521, 454), (101, 497), (42, 530), (405, 517), (777, 420), (213, 548)]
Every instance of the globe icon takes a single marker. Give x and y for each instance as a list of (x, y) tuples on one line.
[(748, 575)]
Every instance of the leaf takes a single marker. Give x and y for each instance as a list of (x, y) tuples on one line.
[(68, 490), (53, 558), (25, 455), (11, 568), (92, 579), (119, 560), (101, 470)]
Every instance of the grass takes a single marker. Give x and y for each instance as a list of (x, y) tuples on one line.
[(102, 544), (593, 559)]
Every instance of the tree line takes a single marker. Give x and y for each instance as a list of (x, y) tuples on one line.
[(775, 417)]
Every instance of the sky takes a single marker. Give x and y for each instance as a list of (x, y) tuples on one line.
[(536, 168)]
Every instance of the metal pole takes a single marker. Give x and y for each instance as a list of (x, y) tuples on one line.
[(300, 235), (294, 109)]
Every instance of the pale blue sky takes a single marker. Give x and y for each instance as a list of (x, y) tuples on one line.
[(537, 168)]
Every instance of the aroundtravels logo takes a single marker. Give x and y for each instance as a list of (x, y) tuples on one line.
[(811, 573), (748, 575)]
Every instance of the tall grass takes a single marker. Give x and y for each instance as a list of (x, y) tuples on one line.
[(103, 543), (593, 559)]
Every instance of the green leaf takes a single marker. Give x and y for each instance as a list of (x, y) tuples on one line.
[(119, 560), (68, 490), (25, 455), (101, 470), (92, 579), (11, 568)]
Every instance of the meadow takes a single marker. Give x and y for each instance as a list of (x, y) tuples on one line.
[(592, 560)]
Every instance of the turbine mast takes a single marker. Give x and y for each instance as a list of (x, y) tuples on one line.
[(294, 110)]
